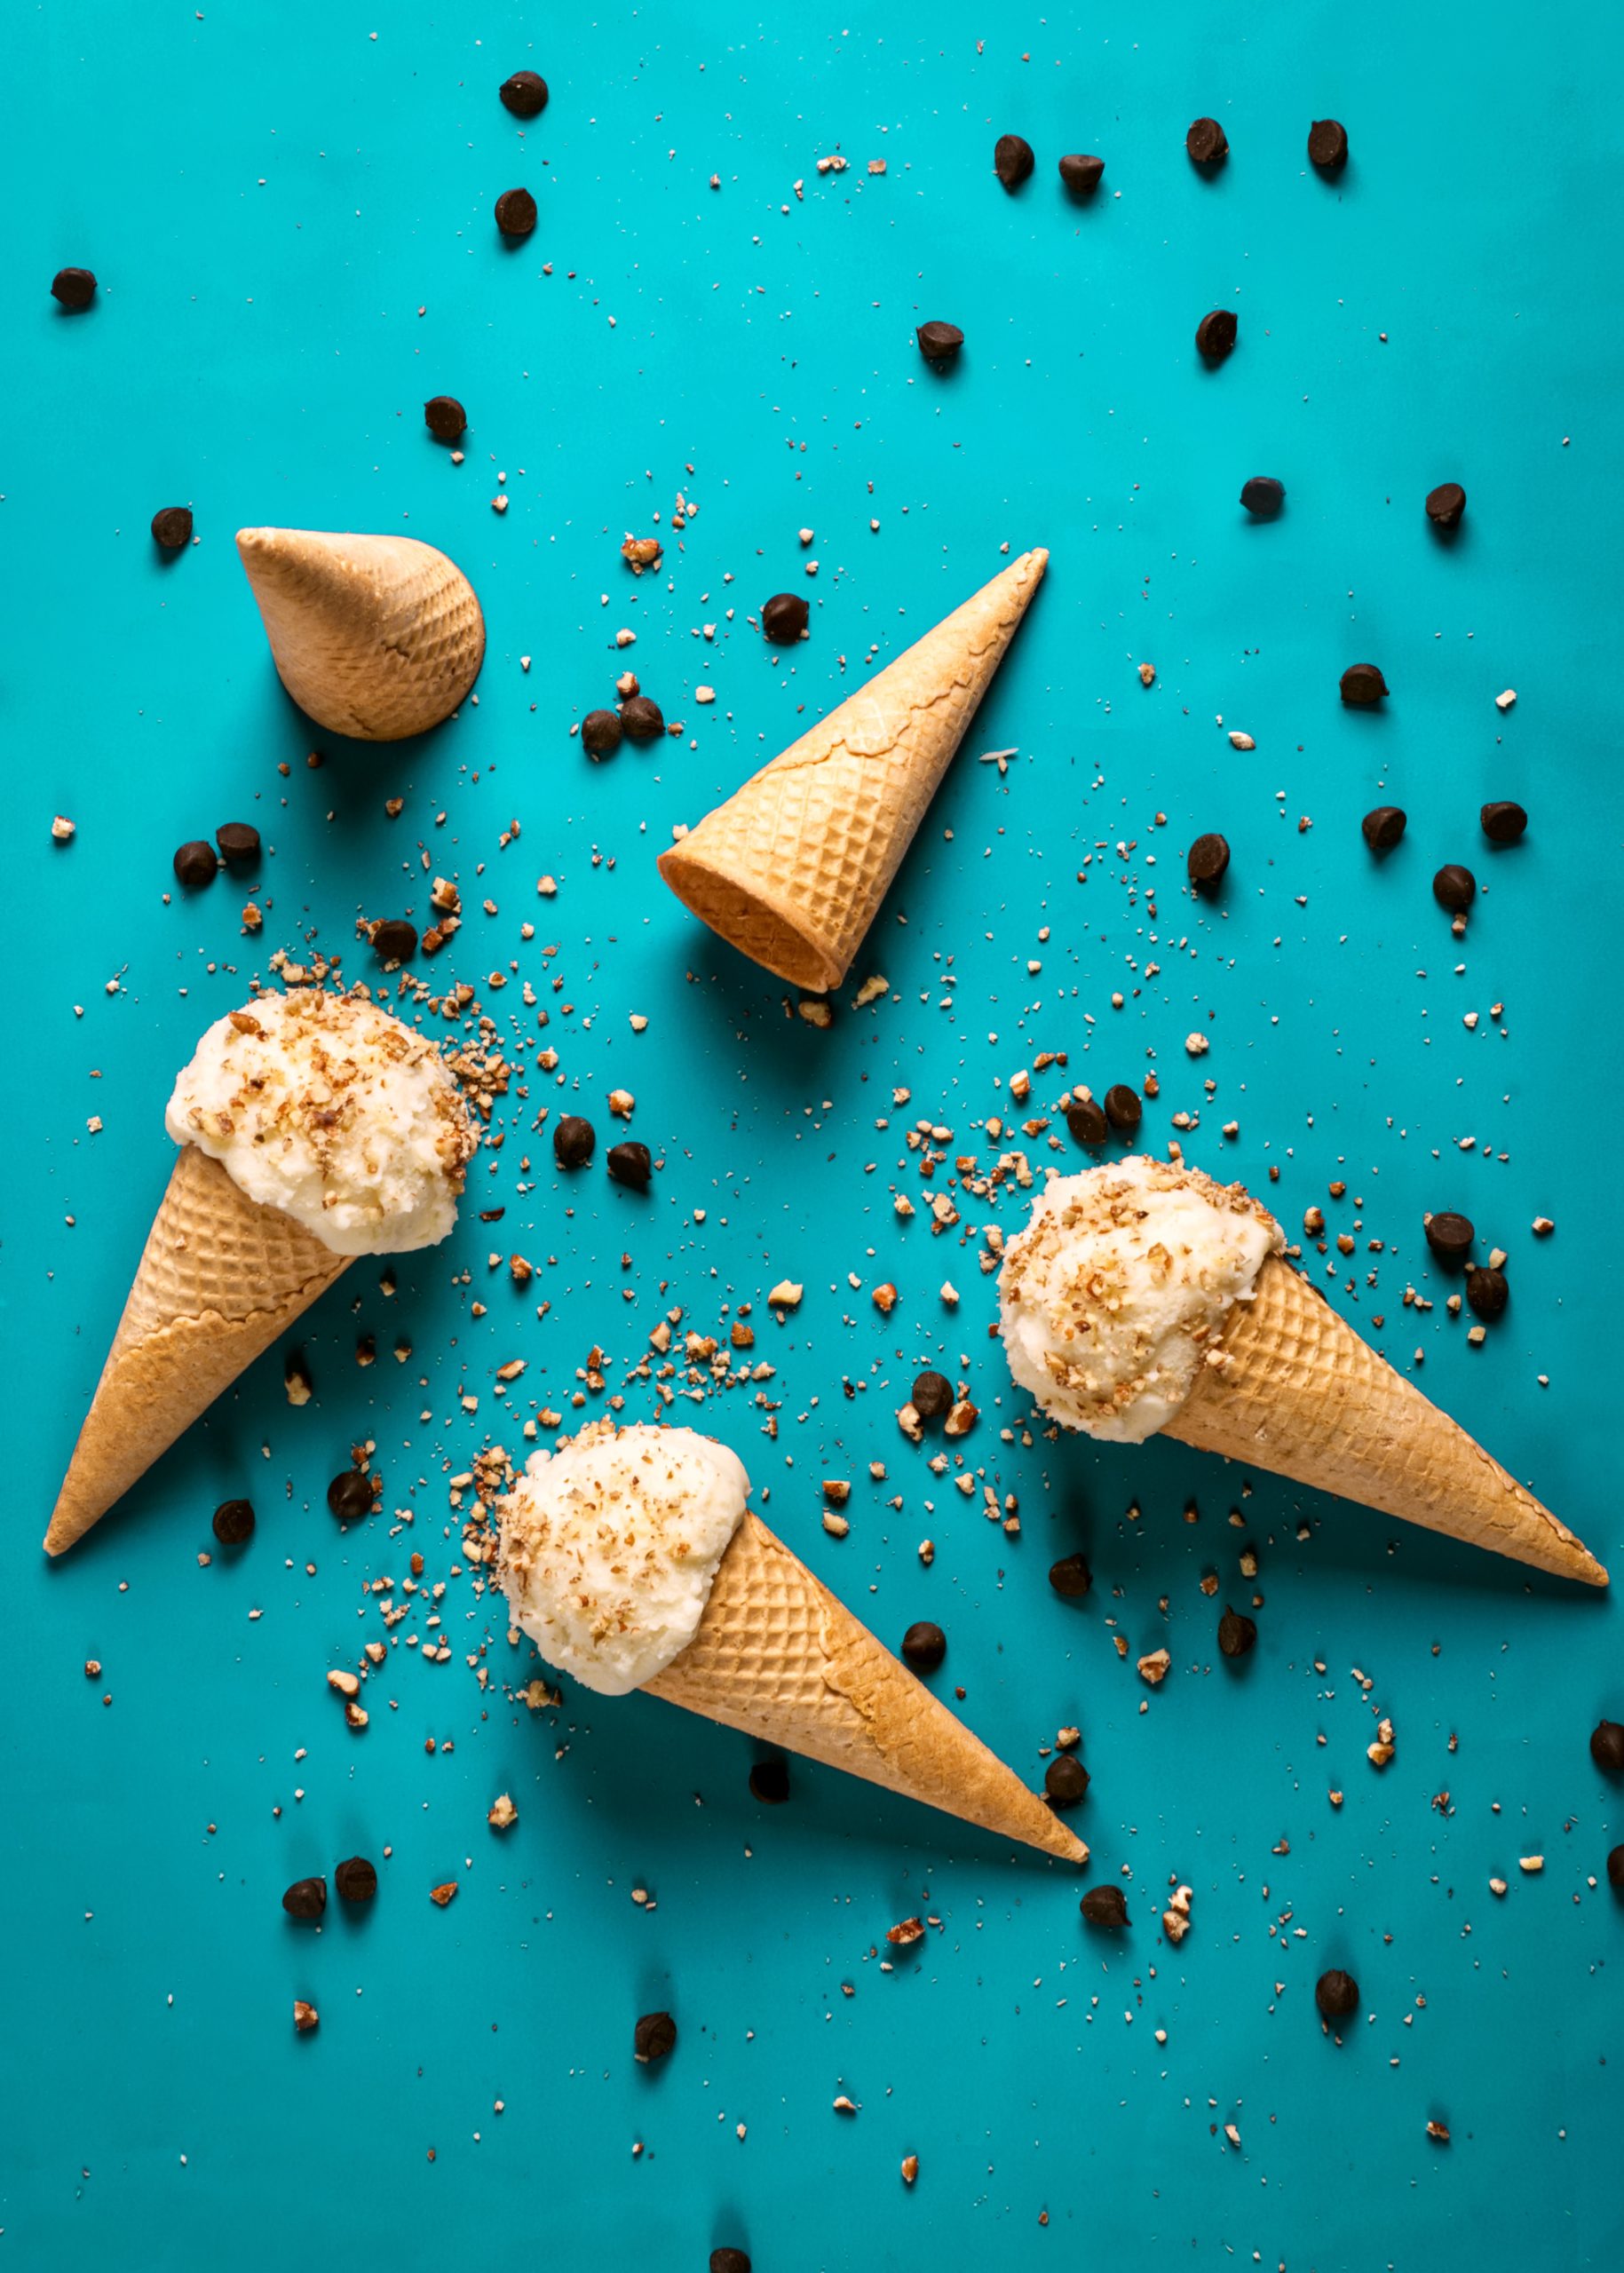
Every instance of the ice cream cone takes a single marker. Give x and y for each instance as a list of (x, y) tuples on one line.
[(220, 1278), (792, 869), (1302, 1394), (779, 1657), (376, 637)]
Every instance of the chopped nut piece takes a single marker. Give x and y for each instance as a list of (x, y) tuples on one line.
[(1154, 1666), (504, 1815), (443, 1895), (346, 1683), (785, 1295), (909, 1930), (304, 2017)]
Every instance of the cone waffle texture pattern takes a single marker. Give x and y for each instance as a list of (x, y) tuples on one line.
[(779, 1657), (1304, 1397), (376, 637), (219, 1278), (792, 869)]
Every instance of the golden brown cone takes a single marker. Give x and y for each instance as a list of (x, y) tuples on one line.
[(220, 1278), (376, 637), (792, 869), (1303, 1396), (779, 1657)]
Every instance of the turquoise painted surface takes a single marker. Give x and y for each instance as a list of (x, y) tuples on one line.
[(290, 218)]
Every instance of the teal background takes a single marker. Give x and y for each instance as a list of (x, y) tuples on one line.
[(290, 220)]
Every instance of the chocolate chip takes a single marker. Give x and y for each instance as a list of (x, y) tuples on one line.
[(516, 212), (1207, 143), (1449, 1236), (1607, 1746), (239, 843), (1337, 1995), (629, 1164), (1066, 1780), (641, 719), (1206, 861), (1363, 685), (1217, 333), (233, 1522), (72, 288), (1615, 1868), (783, 618), (349, 1496), (1081, 174), (1071, 1577), (932, 1396), (729, 2260), (1123, 1108), (925, 1646), (769, 1782), (171, 527), (356, 1880), (939, 342), (1382, 827), (1487, 1292), (600, 732), (572, 1141), (1446, 504), (1327, 145), (1454, 888), (655, 2035), (394, 939), (524, 94), (1503, 823), (1087, 1123), (1012, 159), (444, 418), (305, 1898), (1105, 1905), (1237, 1635), (196, 864), (1262, 496)]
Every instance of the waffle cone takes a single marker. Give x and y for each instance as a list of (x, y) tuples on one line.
[(779, 1657), (1301, 1394), (792, 869), (220, 1278), (376, 637)]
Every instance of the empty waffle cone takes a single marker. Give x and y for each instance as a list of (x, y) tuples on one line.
[(1301, 1394), (376, 636), (220, 1278), (792, 869), (779, 1657)]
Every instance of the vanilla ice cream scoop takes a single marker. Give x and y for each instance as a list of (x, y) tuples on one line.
[(1120, 1284), (610, 1547), (329, 1108)]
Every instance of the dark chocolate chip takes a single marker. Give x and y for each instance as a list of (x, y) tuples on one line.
[(1105, 1905), (72, 288), (305, 1898), (1071, 1577), (1206, 861), (600, 732), (1217, 333), (1124, 1109), (1207, 143), (1012, 159), (641, 718), (938, 343), (239, 843), (1327, 145), (444, 418), (629, 1163), (1237, 1634), (1066, 1780), (729, 2260), (1487, 1292), (1615, 1868), (1607, 1746), (171, 527), (516, 212), (1454, 888), (1503, 822), (394, 939), (1263, 495), (1337, 1995), (932, 1396), (769, 1782), (925, 1646), (1449, 1236), (524, 94), (784, 618), (1446, 504), (1088, 1123), (572, 1141), (196, 864), (655, 2035), (233, 1522), (1382, 827), (349, 1496), (1081, 174), (1363, 685), (356, 1880)]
